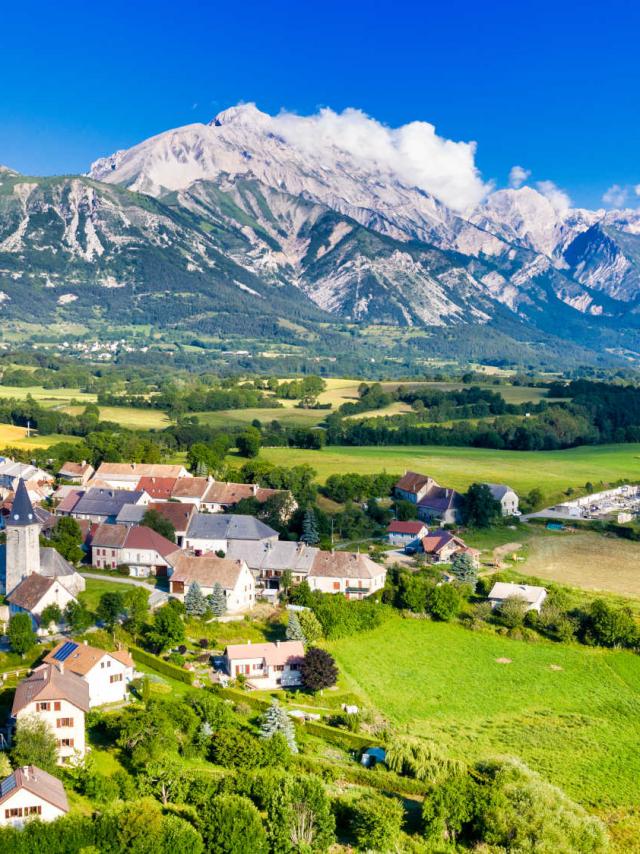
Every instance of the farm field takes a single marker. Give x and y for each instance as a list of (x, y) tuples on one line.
[(16, 437), (587, 561), (569, 712), (129, 416), (47, 396), (551, 471), (288, 415)]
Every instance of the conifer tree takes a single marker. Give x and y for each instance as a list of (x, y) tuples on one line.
[(218, 601), (463, 567), (276, 720), (310, 533), (294, 629), (194, 602)]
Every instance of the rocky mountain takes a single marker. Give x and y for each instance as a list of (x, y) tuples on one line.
[(208, 224)]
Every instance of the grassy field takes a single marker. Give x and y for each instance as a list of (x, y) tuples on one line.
[(129, 416), (47, 396), (588, 561), (570, 712), (95, 589), (287, 415), (551, 471)]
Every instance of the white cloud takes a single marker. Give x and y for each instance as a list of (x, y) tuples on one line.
[(615, 196), (517, 176), (636, 189), (558, 198), (413, 153)]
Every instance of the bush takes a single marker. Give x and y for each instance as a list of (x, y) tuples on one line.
[(160, 666), (444, 602), (376, 822)]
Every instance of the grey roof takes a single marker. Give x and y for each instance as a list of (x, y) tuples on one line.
[(22, 512), (53, 565), (228, 526), (131, 514), (498, 490), (100, 501), (280, 555)]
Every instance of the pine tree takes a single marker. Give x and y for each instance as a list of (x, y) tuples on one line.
[(194, 602), (294, 629), (276, 720), (463, 567), (310, 533), (217, 600)]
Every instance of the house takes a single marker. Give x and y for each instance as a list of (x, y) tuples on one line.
[(403, 534), (143, 550), (158, 488), (413, 486), (268, 560), (32, 576), (355, 575), (29, 792), (59, 698), (191, 490), (533, 596), (178, 514), (39, 483), (442, 546), (222, 497), (127, 475), (441, 504), (106, 673), (266, 665), (103, 505), (212, 532), (506, 497), (76, 473), (234, 576)]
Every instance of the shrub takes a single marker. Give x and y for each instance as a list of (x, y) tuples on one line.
[(376, 822), (444, 602)]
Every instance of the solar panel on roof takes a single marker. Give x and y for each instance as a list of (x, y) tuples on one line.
[(65, 651), (7, 785)]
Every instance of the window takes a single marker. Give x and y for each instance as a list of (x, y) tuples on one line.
[(33, 810), (116, 677), (65, 742), (16, 812), (108, 664), (102, 665), (279, 667), (43, 707), (336, 585), (64, 722), (57, 706)]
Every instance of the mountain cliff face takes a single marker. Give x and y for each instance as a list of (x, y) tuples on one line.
[(239, 217)]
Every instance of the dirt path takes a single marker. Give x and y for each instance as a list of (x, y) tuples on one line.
[(500, 552)]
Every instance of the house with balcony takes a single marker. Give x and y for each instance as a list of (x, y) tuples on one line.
[(266, 665)]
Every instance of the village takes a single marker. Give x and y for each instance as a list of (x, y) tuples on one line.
[(231, 561)]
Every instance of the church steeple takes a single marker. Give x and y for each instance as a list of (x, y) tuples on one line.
[(22, 512)]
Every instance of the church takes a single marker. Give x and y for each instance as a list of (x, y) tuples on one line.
[(31, 576)]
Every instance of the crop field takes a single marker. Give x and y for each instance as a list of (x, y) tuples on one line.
[(551, 471), (588, 561), (16, 437), (288, 415), (53, 397), (569, 712), (129, 416)]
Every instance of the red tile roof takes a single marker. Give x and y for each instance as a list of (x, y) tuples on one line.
[(158, 487), (414, 528), (177, 513)]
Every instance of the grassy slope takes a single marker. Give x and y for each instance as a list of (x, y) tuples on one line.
[(551, 471), (577, 725)]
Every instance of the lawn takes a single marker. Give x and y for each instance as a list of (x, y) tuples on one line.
[(95, 589), (569, 712), (551, 471)]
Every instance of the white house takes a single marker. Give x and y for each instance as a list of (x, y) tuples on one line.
[(533, 596), (506, 497), (107, 674), (404, 534), (212, 532), (127, 475), (34, 594), (234, 576), (266, 665), (59, 698), (29, 792), (355, 575), (143, 550)]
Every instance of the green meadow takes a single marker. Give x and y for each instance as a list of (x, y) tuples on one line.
[(569, 712), (550, 471)]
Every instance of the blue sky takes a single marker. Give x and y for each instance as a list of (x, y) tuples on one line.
[(552, 86)]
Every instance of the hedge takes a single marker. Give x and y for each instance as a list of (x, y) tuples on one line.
[(340, 737), (244, 697), (164, 667)]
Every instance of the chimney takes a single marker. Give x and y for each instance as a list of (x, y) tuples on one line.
[(277, 643), (254, 488), (84, 462), (61, 666), (86, 643), (25, 772)]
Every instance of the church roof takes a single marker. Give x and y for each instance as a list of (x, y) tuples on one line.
[(22, 512)]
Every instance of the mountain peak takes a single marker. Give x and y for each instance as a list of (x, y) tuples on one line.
[(241, 114)]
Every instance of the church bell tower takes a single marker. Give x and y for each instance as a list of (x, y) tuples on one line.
[(23, 541)]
